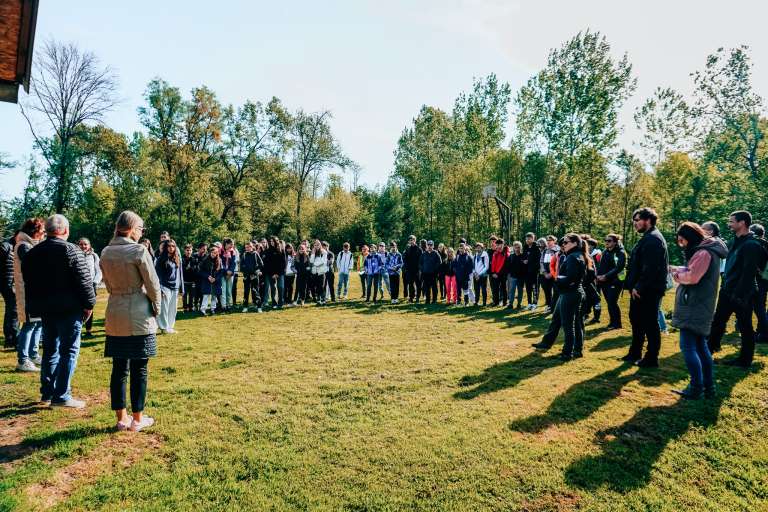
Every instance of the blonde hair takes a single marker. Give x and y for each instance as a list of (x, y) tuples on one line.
[(126, 222)]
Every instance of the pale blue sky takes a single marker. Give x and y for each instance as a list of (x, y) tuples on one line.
[(373, 64)]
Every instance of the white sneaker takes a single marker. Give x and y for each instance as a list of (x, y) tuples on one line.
[(258, 310), (170, 331), (146, 422), (38, 360), (122, 426), (245, 310), (27, 366)]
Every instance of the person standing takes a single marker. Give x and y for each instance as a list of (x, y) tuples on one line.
[(330, 276), (516, 272), (430, 263), (362, 257), (290, 274), (695, 305), (451, 293), (58, 290), (411, 261), (441, 270), (647, 282), (198, 258), (531, 260), (28, 340), (373, 274), (746, 257), (318, 261), (169, 273), (189, 271), (303, 275), (92, 261), (480, 273), (210, 278), (250, 267), (229, 264), (762, 288), (274, 272), (345, 263), (132, 309), (394, 265), (499, 257), (463, 266), (10, 315), (547, 279), (609, 270)]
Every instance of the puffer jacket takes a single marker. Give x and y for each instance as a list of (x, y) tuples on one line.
[(23, 245), (319, 263), (133, 286), (6, 267)]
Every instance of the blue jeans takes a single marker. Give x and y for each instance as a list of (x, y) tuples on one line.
[(61, 346), (342, 283), (271, 284), (662, 321), (28, 340), (698, 360)]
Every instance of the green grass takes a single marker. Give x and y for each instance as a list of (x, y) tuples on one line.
[(355, 407)]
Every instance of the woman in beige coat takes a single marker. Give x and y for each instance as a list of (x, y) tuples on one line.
[(130, 325)]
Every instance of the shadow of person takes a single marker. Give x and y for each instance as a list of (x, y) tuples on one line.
[(630, 450), (505, 375), (584, 398), (15, 451)]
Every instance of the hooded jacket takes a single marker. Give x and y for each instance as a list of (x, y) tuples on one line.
[(696, 294)]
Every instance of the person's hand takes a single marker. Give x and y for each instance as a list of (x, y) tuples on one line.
[(229, 273), (87, 314), (601, 278), (635, 295), (211, 280)]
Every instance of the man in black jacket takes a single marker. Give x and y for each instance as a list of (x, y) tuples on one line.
[(58, 290), (647, 282), (762, 288), (430, 262), (10, 318), (612, 264), (746, 257), (411, 261), (531, 260)]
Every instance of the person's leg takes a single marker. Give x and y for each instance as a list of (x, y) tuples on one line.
[(139, 378), (419, 290), (339, 285), (761, 335), (484, 289), (707, 365), (611, 293), (205, 302), (235, 279), (117, 383), (744, 319), (368, 286), (68, 328), (247, 284), (280, 290), (162, 315), (569, 310), (529, 291), (230, 283), (409, 287), (503, 287), (394, 284), (578, 340), (363, 285), (653, 330), (546, 284), (331, 284), (689, 342), (51, 358), (494, 291), (23, 341), (661, 320), (10, 320), (476, 288), (636, 320), (554, 327), (723, 313), (173, 306), (386, 284), (426, 287)]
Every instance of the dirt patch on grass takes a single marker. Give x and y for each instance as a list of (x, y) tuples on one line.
[(117, 452), (12, 449), (559, 502)]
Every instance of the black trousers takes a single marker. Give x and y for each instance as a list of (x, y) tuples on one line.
[(441, 285), (251, 290), (330, 279), (302, 283), (644, 317), (410, 279), (531, 288), (394, 286), (139, 375), (554, 325), (10, 319), (318, 287), (481, 286), (547, 285), (726, 307), (497, 291), (288, 282), (363, 278), (429, 287), (89, 323), (503, 294), (188, 298), (570, 305), (235, 277), (760, 304), (611, 292)]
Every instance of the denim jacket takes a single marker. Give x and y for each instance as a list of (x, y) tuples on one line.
[(394, 262)]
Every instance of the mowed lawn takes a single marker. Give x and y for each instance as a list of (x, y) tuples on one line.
[(357, 407)]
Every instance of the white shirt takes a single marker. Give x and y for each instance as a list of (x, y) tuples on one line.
[(345, 262)]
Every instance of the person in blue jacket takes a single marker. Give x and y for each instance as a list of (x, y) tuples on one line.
[(373, 264), (463, 267), (393, 266)]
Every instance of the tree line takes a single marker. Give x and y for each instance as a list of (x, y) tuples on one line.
[(204, 170)]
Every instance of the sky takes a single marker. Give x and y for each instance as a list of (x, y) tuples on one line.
[(373, 64)]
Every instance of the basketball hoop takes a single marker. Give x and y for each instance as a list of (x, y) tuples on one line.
[(489, 192)]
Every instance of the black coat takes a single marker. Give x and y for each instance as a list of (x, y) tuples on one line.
[(430, 262), (514, 266), (648, 263), (571, 272), (56, 279), (412, 259), (532, 254), (274, 262), (611, 264), (746, 258), (251, 263), (6, 267)]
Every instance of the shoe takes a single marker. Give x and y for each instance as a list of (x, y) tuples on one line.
[(647, 363), (565, 357), (688, 393), (665, 332), (27, 366), (138, 426), (121, 426), (87, 335), (593, 321), (396, 301), (629, 358), (542, 346), (38, 361), (72, 403), (258, 310), (170, 331), (547, 310), (245, 310), (532, 307), (578, 355), (611, 327), (161, 331)]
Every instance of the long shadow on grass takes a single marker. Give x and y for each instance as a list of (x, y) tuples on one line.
[(505, 375), (630, 450), (584, 398), (16, 451)]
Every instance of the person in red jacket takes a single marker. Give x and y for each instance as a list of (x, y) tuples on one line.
[(498, 291)]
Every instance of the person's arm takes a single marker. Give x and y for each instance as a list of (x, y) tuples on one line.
[(696, 269), (82, 277), (97, 278), (652, 265), (621, 262), (150, 280)]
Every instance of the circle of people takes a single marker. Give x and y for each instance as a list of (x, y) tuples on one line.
[(49, 288)]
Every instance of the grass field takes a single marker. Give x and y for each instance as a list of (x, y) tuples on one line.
[(355, 407)]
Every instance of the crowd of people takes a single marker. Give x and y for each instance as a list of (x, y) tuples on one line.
[(50, 286)]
